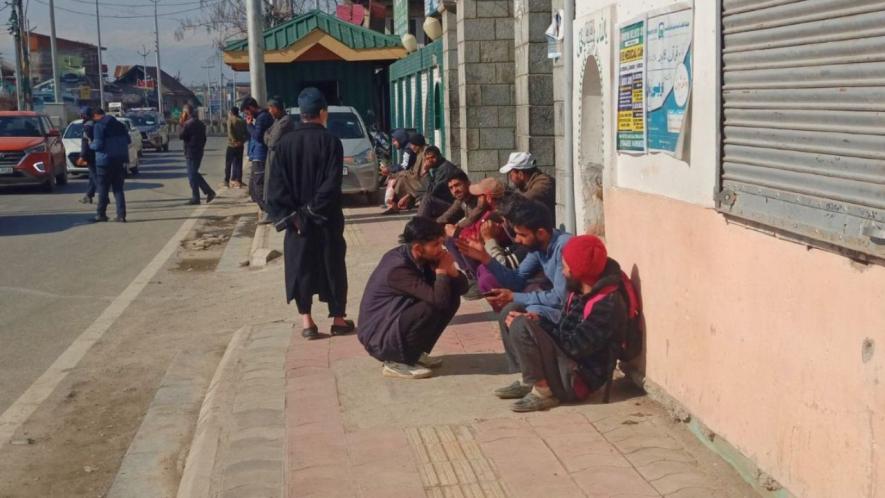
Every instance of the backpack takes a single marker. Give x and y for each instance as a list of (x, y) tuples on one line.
[(631, 343)]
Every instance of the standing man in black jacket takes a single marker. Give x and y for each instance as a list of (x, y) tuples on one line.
[(409, 301), (306, 182), (193, 134), (87, 155)]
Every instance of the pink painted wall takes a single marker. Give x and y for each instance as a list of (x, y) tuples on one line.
[(761, 339)]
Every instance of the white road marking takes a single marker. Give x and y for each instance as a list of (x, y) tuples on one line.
[(42, 388)]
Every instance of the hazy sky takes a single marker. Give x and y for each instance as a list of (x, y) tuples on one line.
[(124, 38)]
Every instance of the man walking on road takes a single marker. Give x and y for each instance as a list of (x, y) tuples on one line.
[(87, 155), (236, 139), (258, 121), (409, 301), (305, 190), (111, 146), (193, 134), (282, 124)]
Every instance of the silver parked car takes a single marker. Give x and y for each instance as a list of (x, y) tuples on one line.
[(360, 162)]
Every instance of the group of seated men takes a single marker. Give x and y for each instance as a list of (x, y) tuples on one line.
[(561, 322)]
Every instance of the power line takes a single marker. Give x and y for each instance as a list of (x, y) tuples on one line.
[(110, 16), (149, 6)]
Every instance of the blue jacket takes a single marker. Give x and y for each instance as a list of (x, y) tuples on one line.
[(546, 303), (110, 142), (257, 150)]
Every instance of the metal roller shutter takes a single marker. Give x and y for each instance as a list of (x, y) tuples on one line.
[(803, 101)]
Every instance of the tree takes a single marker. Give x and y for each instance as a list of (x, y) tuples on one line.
[(226, 19)]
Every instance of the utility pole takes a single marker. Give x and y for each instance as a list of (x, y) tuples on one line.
[(17, 35), (208, 68), (24, 66), (159, 71), (144, 52), (101, 102), (221, 99), (56, 81), (255, 23)]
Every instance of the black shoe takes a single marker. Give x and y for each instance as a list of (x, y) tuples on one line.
[(343, 329), (311, 333), (209, 197), (86, 200), (120, 220), (98, 219), (193, 202)]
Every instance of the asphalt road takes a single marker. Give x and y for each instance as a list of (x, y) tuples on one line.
[(59, 271)]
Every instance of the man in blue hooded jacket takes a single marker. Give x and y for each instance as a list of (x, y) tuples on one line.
[(111, 145), (258, 121)]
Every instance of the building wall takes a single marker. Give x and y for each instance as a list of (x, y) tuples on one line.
[(485, 84), (533, 82), (451, 103), (769, 343)]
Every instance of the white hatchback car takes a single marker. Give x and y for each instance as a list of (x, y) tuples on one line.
[(71, 139), (360, 163)]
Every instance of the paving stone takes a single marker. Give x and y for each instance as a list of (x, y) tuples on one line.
[(662, 468), (612, 481), (634, 443), (647, 456), (580, 452), (674, 482), (253, 491), (697, 493), (321, 481)]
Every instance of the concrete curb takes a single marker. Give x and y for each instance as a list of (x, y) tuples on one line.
[(153, 461), (196, 478), (261, 253)]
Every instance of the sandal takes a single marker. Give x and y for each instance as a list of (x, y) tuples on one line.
[(310, 333), (343, 329), (533, 403)]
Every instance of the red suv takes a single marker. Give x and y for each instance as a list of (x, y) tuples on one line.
[(31, 150)]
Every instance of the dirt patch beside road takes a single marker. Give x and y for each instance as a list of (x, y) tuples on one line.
[(73, 444)]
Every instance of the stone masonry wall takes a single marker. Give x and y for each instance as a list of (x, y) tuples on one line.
[(534, 82), (558, 127), (485, 84), (451, 102)]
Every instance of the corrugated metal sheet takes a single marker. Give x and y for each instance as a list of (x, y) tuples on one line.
[(804, 118), (287, 34)]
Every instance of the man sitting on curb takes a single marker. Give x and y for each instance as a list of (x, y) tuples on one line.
[(522, 171), (438, 198), (533, 226), (568, 362), (409, 300)]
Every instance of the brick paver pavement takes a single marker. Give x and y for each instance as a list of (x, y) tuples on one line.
[(353, 433)]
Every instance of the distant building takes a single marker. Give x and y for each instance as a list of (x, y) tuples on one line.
[(133, 89)]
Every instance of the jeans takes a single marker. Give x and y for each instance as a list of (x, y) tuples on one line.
[(109, 178), (432, 207), (196, 179), (233, 164), (256, 184)]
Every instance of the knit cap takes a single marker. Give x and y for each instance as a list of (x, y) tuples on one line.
[(586, 257)]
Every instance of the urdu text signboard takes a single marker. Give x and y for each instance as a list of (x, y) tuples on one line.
[(631, 88), (668, 79)]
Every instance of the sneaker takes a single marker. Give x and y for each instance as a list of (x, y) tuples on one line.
[(86, 200), (210, 196), (403, 371), (531, 402), (119, 219), (98, 219), (514, 391), (429, 361), (192, 202)]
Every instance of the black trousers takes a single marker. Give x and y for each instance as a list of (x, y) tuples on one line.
[(421, 325), (233, 164), (532, 351), (256, 184)]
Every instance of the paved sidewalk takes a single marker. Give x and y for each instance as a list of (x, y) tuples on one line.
[(351, 432)]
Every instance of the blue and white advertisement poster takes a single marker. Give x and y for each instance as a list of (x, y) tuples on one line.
[(668, 79)]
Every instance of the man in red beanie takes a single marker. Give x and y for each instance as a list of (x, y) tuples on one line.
[(567, 362)]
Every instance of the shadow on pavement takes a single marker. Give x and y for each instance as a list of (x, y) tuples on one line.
[(473, 364), (41, 223), (483, 316)]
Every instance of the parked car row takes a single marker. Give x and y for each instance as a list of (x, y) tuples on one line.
[(34, 152)]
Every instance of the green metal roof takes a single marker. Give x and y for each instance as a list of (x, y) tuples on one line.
[(287, 34)]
